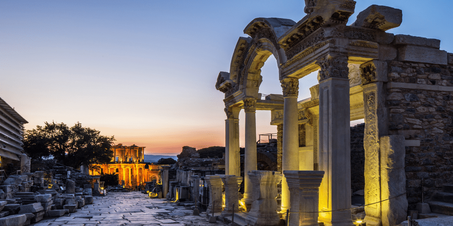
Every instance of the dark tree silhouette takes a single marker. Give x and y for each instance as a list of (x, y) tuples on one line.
[(73, 146), (166, 161)]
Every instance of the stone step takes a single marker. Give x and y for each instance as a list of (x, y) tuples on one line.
[(443, 197), (441, 207), (448, 188)]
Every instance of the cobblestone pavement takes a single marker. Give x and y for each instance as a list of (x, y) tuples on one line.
[(129, 208)]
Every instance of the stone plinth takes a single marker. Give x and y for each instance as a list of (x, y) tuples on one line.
[(264, 207), (304, 196), (215, 194), (231, 193)]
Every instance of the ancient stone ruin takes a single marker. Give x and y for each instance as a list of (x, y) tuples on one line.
[(29, 197), (400, 85)]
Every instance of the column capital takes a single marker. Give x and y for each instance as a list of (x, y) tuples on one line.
[(249, 105), (333, 65), (232, 112), (290, 87)]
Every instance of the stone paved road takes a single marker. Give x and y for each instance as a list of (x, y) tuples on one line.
[(128, 208)]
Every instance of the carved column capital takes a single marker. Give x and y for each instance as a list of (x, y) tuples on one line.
[(290, 87), (369, 72), (250, 105), (333, 65)]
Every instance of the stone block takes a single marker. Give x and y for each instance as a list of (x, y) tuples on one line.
[(88, 199), (387, 52), (55, 213), (416, 41), (87, 191), (4, 213), (393, 179), (31, 208), (2, 204), (38, 216), (423, 208), (379, 17), (29, 216), (71, 208), (13, 220), (421, 54), (13, 208), (70, 186), (450, 58)]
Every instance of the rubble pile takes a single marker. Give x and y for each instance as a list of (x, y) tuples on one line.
[(29, 197)]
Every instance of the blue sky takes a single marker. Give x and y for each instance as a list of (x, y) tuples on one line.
[(145, 71)]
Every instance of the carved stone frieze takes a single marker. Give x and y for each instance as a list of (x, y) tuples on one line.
[(371, 145), (333, 65), (366, 44), (304, 114), (360, 33), (290, 87), (250, 105), (369, 72), (354, 75), (302, 32)]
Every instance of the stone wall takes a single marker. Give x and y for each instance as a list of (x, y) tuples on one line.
[(357, 157), (423, 115)]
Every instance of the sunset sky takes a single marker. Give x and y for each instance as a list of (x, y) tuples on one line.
[(144, 70)]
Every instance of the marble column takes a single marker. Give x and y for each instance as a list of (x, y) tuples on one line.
[(231, 193), (165, 182), (215, 194), (290, 146), (334, 140), (250, 160), (264, 207), (232, 155), (304, 188)]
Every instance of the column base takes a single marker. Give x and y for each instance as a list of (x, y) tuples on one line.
[(372, 221)]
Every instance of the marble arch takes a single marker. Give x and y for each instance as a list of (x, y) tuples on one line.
[(364, 72)]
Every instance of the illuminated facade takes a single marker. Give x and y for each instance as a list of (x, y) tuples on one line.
[(128, 163)]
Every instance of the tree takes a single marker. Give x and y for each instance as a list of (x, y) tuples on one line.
[(73, 146), (166, 161)]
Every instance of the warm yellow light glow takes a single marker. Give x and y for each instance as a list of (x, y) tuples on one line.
[(358, 222), (223, 201), (49, 186), (177, 196)]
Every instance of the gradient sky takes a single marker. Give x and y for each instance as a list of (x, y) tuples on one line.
[(144, 71)]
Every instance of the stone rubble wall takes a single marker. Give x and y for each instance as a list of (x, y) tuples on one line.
[(427, 116)]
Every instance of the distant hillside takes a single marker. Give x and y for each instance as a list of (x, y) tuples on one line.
[(155, 158)]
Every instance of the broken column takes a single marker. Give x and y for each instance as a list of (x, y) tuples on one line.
[(215, 194), (264, 207), (304, 188), (231, 193), (165, 182), (393, 180)]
